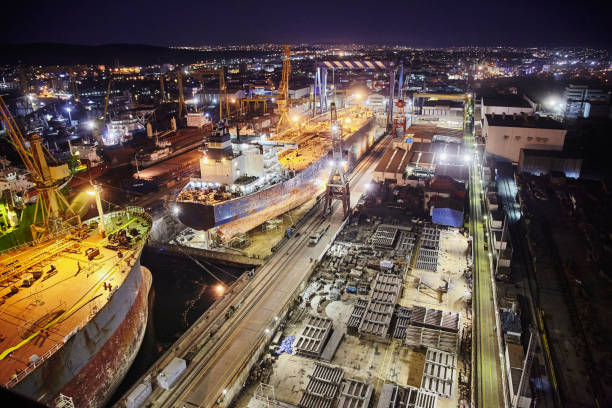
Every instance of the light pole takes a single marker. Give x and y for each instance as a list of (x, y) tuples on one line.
[(69, 109), (95, 192)]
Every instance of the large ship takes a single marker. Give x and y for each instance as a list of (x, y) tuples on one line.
[(178, 141), (73, 310), (73, 300), (244, 184)]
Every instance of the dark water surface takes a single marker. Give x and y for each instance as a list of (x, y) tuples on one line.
[(181, 292)]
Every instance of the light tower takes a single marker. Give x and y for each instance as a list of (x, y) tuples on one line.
[(338, 183)]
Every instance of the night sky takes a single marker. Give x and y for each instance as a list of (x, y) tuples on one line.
[(422, 23)]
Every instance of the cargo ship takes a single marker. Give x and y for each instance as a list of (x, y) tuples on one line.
[(74, 309), (244, 184)]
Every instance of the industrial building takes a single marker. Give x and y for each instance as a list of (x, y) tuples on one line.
[(580, 100), (426, 151), (539, 162), (506, 104), (505, 135)]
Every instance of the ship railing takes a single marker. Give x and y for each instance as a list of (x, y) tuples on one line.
[(62, 232), (33, 365)]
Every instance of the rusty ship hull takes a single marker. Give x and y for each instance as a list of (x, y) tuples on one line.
[(244, 213), (86, 354), (91, 365)]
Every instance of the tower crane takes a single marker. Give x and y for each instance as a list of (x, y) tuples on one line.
[(162, 87), (283, 92), (106, 99), (49, 200)]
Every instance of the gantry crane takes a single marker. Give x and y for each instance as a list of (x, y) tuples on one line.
[(49, 200), (399, 121), (283, 92), (199, 73), (338, 183)]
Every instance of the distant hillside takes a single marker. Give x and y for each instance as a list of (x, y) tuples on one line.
[(108, 54)]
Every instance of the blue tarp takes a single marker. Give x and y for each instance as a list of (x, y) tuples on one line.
[(285, 346), (447, 216)]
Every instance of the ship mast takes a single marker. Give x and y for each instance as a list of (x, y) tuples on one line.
[(49, 200)]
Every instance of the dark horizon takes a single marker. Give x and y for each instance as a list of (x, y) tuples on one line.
[(448, 24)]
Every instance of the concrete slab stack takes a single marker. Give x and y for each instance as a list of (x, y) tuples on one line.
[(384, 237), (322, 387), (356, 316), (355, 394), (439, 373), (377, 317), (394, 396), (314, 336)]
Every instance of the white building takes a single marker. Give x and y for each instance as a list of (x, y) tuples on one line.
[(505, 135), (508, 105)]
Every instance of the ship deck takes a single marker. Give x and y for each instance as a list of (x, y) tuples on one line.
[(35, 320), (313, 140), (313, 137)]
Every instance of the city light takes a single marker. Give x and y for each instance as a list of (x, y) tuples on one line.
[(91, 192), (220, 289), (176, 210), (90, 125)]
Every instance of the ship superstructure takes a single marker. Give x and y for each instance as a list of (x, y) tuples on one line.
[(244, 184)]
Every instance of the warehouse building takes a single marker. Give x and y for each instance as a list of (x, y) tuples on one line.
[(540, 162), (506, 104), (505, 135)]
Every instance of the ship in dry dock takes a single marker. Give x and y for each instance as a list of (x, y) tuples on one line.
[(244, 184)]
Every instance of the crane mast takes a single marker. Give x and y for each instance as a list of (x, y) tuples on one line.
[(49, 200), (283, 92)]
